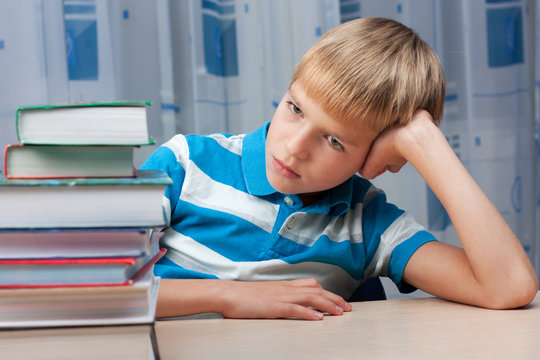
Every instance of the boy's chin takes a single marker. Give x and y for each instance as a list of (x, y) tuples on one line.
[(282, 188)]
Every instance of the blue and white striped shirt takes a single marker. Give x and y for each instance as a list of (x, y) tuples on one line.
[(227, 222)]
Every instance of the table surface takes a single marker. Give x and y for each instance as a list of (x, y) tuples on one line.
[(426, 328)]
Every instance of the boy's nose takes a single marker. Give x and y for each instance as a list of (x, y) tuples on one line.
[(298, 145)]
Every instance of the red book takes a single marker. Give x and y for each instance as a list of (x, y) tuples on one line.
[(42, 273)]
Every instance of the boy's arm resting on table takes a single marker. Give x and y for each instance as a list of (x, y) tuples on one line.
[(242, 299), (491, 270)]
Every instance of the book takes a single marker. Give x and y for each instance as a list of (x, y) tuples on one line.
[(80, 306), (48, 161), (77, 242), (136, 341), (111, 123), (26, 273), (84, 202)]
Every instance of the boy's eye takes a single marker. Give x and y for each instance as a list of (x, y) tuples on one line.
[(296, 109), (334, 142)]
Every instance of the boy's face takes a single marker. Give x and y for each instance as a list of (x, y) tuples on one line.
[(308, 152)]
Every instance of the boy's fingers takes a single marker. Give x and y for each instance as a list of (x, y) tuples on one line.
[(316, 291), (322, 300), (372, 173), (374, 166), (324, 305), (338, 301), (369, 174), (296, 311), (394, 168)]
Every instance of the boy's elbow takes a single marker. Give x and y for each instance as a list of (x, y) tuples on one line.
[(522, 296), (516, 294)]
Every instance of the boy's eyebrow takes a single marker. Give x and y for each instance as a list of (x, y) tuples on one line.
[(346, 139), (293, 97)]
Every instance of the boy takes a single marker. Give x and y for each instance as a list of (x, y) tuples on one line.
[(282, 210)]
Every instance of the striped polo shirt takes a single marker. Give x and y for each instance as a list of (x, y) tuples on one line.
[(227, 222)]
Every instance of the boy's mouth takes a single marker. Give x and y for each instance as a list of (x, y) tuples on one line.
[(284, 170)]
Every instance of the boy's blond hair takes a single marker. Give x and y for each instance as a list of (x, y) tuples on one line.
[(373, 72)]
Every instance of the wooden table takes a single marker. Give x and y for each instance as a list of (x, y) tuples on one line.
[(427, 328)]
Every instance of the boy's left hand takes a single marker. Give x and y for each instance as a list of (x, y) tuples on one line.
[(386, 154)]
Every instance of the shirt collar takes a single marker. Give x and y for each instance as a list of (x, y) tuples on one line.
[(254, 162), (254, 167), (340, 197)]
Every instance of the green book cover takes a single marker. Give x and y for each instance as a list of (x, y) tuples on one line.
[(85, 104), (144, 177)]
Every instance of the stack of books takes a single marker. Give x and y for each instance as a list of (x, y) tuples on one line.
[(79, 225)]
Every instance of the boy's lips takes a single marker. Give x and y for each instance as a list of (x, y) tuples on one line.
[(283, 169)]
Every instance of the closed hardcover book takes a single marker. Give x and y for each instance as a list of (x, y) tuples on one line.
[(137, 341), (80, 306), (84, 202), (49, 161), (110, 123), (75, 272), (77, 242)]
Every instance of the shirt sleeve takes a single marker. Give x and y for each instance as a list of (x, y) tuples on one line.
[(391, 237)]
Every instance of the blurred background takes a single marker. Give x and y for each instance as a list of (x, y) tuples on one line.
[(223, 65)]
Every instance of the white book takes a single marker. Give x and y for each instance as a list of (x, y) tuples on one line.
[(77, 242), (84, 202), (114, 123), (82, 343), (67, 161), (80, 306)]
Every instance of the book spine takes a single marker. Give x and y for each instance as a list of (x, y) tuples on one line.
[(5, 160), (17, 124), (6, 151), (148, 265)]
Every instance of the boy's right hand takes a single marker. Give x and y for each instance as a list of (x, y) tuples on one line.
[(297, 299)]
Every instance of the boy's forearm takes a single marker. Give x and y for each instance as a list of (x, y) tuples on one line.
[(248, 299), (187, 297), (496, 257)]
